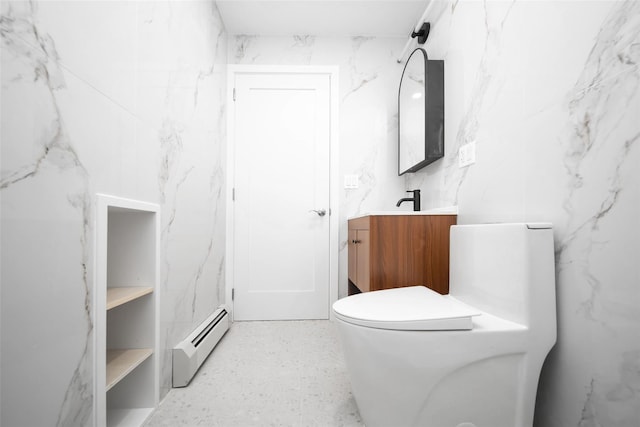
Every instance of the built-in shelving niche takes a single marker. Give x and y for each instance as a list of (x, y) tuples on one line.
[(127, 301)]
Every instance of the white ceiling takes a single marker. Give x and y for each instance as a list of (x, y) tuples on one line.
[(382, 18)]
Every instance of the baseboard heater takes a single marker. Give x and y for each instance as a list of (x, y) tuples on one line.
[(189, 355)]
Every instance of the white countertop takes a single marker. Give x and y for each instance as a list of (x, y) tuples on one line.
[(449, 210)]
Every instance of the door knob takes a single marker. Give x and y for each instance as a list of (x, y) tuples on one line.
[(320, 212)]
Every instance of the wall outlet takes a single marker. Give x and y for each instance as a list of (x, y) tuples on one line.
[(351, 181), (467, 154)]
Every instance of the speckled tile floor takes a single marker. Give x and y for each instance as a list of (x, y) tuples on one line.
[(288, 373)]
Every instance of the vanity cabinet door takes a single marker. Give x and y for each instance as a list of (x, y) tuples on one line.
[(352, 248), (359, 254), (363, 256)]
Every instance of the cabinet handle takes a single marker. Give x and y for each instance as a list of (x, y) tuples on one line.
[(356, 241)]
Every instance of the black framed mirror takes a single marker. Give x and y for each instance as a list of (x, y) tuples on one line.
[(420, 112)]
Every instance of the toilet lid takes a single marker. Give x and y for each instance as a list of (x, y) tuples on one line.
[(415, 308)]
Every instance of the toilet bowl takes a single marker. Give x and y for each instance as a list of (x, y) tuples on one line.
[(470, 358)]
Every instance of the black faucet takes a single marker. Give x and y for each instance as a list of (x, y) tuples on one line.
[(415, 200)]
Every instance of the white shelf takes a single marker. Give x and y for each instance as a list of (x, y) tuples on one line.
[(127, 382), (127, 417), (122, 362), (122, 295)]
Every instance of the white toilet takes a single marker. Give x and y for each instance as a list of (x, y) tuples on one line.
[(470, 358)]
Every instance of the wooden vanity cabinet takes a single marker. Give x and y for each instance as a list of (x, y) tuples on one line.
[(392, 251)]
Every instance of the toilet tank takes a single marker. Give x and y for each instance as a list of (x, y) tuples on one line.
[(507, 270)]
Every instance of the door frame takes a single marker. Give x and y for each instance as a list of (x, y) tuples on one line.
[(332, 71)]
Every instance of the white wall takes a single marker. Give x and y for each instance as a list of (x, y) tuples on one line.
[(550, 92), (124, 98)]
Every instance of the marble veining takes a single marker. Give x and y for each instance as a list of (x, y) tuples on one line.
[(242, 44), (485, 79), (22, 37), (140, 116), (609, 70), (304, 45), (603, 109), (358, 78), (201, 76), (560, 128), (76, 406), (171, 146), (197, 277)]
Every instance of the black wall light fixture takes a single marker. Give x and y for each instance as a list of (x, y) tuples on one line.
[(422, 34), (420, 31)]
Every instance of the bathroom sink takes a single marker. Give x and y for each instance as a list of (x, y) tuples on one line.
[(448, 210)]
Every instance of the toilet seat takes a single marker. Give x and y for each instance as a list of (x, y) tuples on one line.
[(415, 308)]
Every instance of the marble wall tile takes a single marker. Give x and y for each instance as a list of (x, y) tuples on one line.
[(553, 110), (189, 85), (124, 98)]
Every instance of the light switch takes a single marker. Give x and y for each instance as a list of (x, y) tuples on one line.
[(467, 154), (351, 181)]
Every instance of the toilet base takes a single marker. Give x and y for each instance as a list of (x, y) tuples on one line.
[(441, 379)]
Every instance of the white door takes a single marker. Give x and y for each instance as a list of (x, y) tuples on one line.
[(281, 196)]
